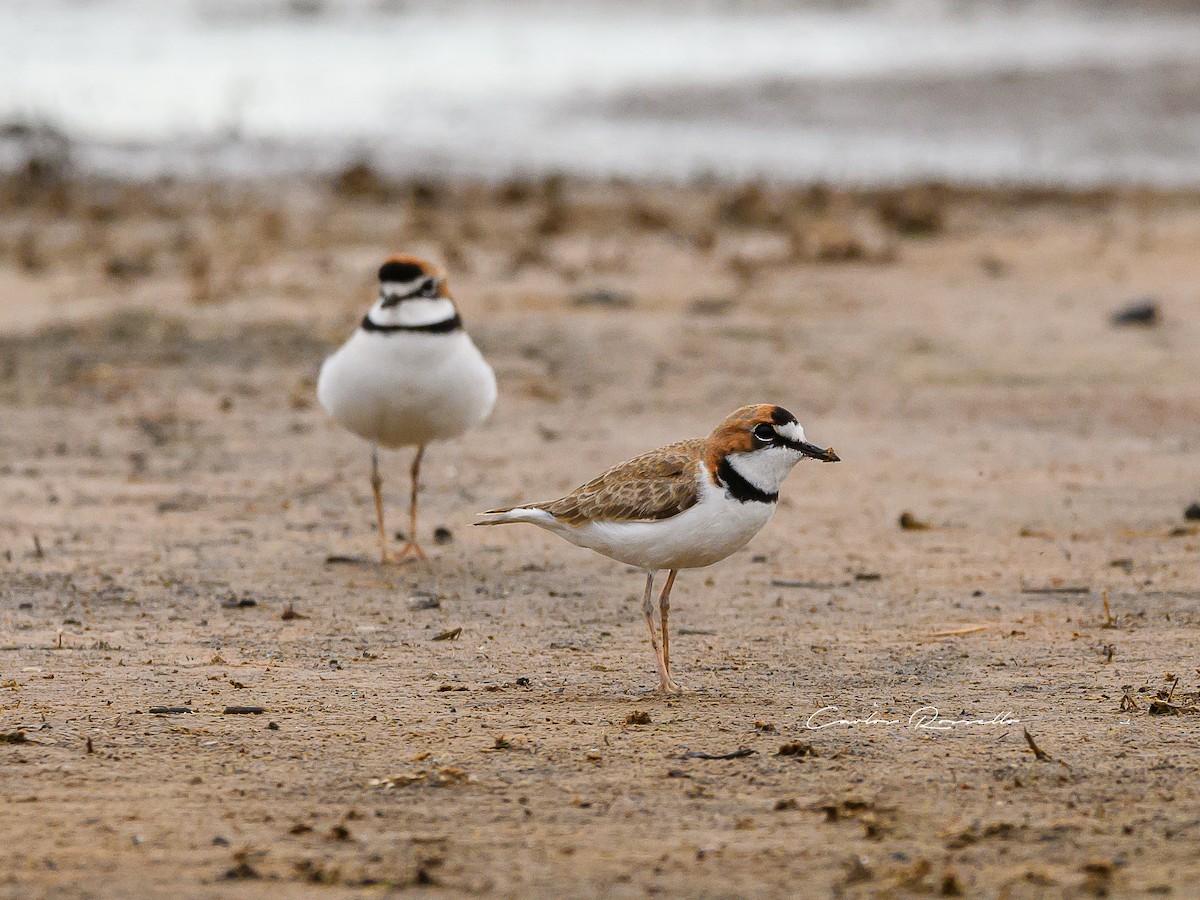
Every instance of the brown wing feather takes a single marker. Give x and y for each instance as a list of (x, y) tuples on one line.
[(656, 485)]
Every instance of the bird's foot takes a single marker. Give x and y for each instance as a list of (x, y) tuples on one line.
[(406, 554), (412, 547), (668, 686)]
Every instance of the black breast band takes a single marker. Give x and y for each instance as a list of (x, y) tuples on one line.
[(443, 327), (739, 488)]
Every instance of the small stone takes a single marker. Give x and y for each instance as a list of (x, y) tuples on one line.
[(909, 522), (1143, 313), (423, 600)]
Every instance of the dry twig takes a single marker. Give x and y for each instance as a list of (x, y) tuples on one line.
[(955, 632)]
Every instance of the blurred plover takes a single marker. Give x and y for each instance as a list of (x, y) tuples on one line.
[(683, 506), (409, 375)]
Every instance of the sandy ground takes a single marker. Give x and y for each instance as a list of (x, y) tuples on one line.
[(169, 490)]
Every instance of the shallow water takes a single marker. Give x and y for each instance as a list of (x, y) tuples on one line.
[(1069, 93)]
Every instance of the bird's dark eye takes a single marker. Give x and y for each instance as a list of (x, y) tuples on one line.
[(764, 432), (428, 289)]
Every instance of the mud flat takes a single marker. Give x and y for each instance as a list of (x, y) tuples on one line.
[(170, 498)]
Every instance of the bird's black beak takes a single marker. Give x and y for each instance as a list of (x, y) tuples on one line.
[(814, 452)]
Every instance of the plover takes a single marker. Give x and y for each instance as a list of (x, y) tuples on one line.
[(684, 506), (409, 375)]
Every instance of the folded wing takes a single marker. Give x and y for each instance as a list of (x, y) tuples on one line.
[(656, 485)]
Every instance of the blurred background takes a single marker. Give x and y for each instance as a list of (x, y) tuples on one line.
[(1064, 92)]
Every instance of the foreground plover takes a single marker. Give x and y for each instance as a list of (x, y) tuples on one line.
[(684, 506), (409, 375)]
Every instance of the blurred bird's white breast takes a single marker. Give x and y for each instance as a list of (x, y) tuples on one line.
[(404, 388)]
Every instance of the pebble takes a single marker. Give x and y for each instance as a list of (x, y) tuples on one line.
[(424, 601), (1139, 312), (909, 522)]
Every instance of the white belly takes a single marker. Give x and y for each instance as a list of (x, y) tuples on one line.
[(403, 389), (707, 533)]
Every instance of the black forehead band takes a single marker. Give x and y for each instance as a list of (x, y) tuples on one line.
[(781, 416), (400, 271)]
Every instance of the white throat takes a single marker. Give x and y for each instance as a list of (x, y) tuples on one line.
[(765, 469), (414, 312)]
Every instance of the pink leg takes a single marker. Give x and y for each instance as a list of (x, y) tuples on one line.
[(412, 546), (664, 609), (665, 684)]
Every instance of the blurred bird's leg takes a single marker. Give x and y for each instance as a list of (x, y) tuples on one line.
[(377, 488), (412, 546)]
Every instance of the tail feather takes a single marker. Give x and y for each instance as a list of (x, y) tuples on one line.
[(509, 514)]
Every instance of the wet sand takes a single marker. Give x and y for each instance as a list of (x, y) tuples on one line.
[(169, 491)]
